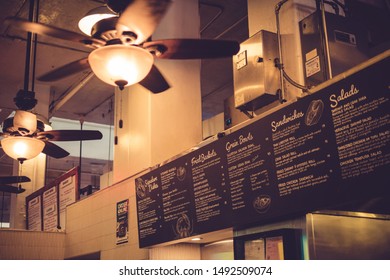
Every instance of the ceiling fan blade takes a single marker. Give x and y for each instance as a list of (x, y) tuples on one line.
[(14, 179), (71, 135), (192, 48), (11, 189), (55, 32), (54, 151), (142, 17), (66, 70), (155, 81)]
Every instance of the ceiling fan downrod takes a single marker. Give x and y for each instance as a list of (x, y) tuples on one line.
[(25, 99)]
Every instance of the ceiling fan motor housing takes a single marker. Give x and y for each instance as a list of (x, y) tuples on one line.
[(105, 29), (8, 126), (25, 100), (117, 6)]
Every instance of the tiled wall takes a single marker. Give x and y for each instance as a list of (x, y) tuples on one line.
[(91, 225), (176, 252), (31, 245)]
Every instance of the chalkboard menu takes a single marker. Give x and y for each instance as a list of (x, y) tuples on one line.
[(327, 148)]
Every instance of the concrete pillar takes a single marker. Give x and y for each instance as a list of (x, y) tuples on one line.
[(34, 168), (159, 126)]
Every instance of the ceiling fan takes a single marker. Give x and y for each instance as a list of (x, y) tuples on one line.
[(6, 180), (123, 53), (24, 135)]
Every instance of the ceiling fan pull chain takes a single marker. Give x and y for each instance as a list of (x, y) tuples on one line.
[(120, 113), (2, 210), (115, 127), (20, 174)]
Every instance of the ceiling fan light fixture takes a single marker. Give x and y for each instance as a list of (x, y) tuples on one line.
[(22, 148), (43, 123), (121, 65), (25, 122), (92, 17)]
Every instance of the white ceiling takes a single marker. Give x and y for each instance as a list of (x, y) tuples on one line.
[(220, 19)]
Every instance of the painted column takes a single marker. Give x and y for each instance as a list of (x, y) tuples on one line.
[(157, 127)]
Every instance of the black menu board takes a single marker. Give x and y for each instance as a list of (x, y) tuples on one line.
[(361, 117), (149, 208), (327, 148), (250, 175), (183, 198), (211, 198)]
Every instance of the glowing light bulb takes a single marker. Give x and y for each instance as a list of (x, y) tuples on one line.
[(20, 148), (129, 64)]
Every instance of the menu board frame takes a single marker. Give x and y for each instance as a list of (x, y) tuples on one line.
[(321, 151), (42, 219)]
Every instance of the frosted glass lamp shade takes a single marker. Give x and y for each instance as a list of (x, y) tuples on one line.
[(22, 148), (92, 17), (121, 65)]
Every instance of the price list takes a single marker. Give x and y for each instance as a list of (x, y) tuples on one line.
[(322, 150), (210, 189), (249, 160), (50, 209), (302, 140), (149, 207), (176, 189)]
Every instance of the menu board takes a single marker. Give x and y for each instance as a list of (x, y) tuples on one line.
[(182, 198), (67, 195), (149, 208), (34, 214), (360, 113), (211, 197), (50, 209), (249, 162), (327, 148), (46, 207)]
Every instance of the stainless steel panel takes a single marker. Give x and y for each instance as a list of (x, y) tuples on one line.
[(254, 71), (349, 236), (348, 46)]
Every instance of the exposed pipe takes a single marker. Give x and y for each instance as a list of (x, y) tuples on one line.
[(325, 37), (29, 49), (221, 87), (71, 93), (98, 105), (80, 157), (282, 90), (279, 61), (215, 17), (231, 27), (35, 42), (12, 37)]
